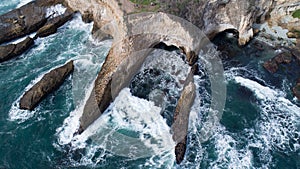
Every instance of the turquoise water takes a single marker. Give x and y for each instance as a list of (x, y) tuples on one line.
[(260, 126)]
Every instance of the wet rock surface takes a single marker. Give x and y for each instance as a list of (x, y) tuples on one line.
[(50, 82), (10, 51), (54, 23)]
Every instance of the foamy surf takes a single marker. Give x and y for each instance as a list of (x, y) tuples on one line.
[(55, 11), (131, 127), (87, 60), (279, 125), (19, 115), (23, 2)]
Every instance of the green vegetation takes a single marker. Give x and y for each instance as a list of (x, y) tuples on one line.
[(143, 2), (145, 6), (296, 14)]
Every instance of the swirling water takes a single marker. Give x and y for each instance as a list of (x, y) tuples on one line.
[(259, 128)]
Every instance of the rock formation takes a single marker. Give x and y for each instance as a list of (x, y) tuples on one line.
[(282, 16), (134, 36), (25, 20), (10, 51), (139, 44), (216, 16), (181, 118), (139, 32), (46, 85)]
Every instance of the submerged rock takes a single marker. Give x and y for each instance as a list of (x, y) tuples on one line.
[(12, 50), (272, 65), (50, 82), (296, 89)]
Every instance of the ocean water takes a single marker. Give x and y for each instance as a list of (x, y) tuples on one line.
[(259, 128)]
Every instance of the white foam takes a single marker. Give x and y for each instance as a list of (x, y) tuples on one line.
[(71, 124), (23, 2), (228, 155), (55, 11), (23, 38), (268, 94), (277, 128), (78, 24), (127, 113), (139, 115), (169, 62), (280, 117), (260, 91)]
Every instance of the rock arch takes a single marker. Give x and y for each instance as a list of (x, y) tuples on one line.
[(143, 32)]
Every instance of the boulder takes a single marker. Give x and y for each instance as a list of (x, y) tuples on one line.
[(50, 82), (12, 50), (23, 46)]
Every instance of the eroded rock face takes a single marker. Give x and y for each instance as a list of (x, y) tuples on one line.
[(12, 50), (50, 82), (282, 16), (216, 16)]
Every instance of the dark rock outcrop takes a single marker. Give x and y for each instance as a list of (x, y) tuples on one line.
[(46, 85), (28, 19), (53, 24), (296, 89), (22, 21), (12, 50), (6, 51), (272, 65)]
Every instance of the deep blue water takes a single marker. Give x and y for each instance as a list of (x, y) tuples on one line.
[(260, 126)]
